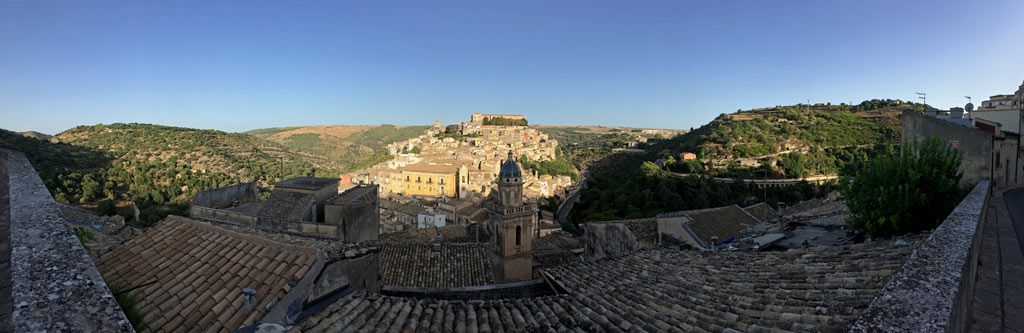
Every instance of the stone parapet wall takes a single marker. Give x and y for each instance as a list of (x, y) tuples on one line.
[(933, 289), (54, 284)]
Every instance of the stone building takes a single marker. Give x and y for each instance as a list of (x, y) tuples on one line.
[(616, 238), (355, 212), (512, 222)]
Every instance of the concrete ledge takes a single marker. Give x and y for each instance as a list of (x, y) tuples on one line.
[(55, 285), (932, 291)]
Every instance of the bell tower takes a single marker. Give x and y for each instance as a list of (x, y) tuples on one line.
[(513, 222)]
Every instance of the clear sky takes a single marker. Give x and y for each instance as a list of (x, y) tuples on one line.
[(242, 65)]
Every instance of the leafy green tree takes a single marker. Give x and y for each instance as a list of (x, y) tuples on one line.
[(106, 207), (906, 191)]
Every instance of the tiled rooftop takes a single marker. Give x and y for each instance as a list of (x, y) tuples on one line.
[(762, 212), (191, 274), (287, 205), (724, 222), (423, 265), (643, 228), (556, 250), (310, 183), (820, 289), (446, 234)]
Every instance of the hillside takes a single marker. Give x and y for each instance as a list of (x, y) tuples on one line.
[(343, 148), (799, 141), (771, 130), (159, 168)]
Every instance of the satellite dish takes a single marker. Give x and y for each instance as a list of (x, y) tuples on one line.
[(969, 107)]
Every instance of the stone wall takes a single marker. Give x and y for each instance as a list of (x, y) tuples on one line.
[(976, 145), (608, 240), (933, 290), (227, 196), (361, 272), (54, 284)]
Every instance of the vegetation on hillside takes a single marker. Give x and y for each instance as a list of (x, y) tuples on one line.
[(502, 121), (799, 141), (580, 145), (629, 186), (343, 152), (560, 166), (159, 168), (828, 137), (905, 191)]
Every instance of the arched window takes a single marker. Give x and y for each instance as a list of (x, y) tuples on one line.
[(442, 181), (406, 178), (430, 180), (417, 179), (519, 235)]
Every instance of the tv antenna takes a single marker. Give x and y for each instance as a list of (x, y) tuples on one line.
[(968, 99), (924, 99)]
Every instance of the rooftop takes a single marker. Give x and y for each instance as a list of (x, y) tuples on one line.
[(353, 193), (424, 265), (308, 183), (762, 212), (657, 290), (287, 205), (190, 274), (724, 222)]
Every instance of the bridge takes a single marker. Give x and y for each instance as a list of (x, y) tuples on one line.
[(760, 183)]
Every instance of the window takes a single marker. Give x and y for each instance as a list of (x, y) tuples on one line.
[(406, 178), (430, 180), (519, 235), (417, 179), (442, 181)]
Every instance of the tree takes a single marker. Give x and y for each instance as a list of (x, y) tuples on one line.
[(106, 207), (905, 191)]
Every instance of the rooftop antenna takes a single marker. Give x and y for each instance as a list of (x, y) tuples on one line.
[(968, 99), (924, 99)]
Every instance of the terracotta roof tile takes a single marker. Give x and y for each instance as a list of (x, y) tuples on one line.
[(421, 265), (194, 266)]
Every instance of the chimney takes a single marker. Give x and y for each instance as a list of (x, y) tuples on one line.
[(250, 300)]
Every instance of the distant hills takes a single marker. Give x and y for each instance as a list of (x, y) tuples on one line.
[(340, 147)]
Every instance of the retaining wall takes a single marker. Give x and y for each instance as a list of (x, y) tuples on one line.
[(932, 291), (54, 284)]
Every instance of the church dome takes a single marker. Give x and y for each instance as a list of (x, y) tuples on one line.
[(510, 169)]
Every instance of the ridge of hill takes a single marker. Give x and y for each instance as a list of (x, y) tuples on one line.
[(340, 147), (159, 168)]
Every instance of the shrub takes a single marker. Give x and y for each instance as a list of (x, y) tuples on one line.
[(106, 208), (905, 191)]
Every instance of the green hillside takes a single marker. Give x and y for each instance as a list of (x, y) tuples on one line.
[(826, 139), (159, 168), (345, 148)]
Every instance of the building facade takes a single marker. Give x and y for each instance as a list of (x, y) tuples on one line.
[(432, 180)]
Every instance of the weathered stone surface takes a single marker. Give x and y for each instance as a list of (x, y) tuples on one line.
[(921, 296), (55, 286)]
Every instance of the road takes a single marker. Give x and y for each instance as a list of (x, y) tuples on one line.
[(566, 206), (1015, 206)]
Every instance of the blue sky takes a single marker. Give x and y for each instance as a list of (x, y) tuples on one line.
[(242, 65)]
